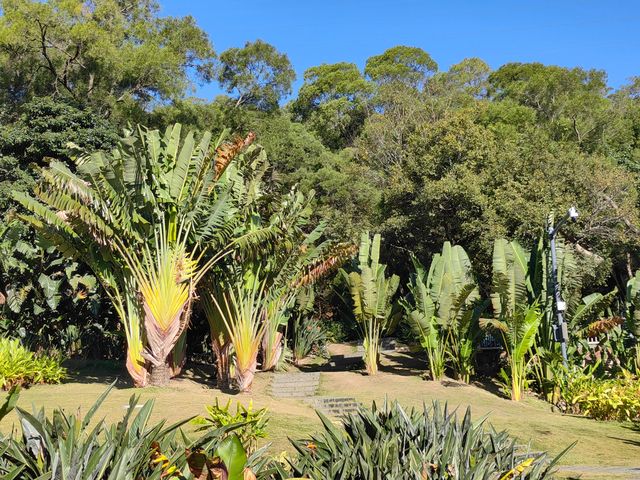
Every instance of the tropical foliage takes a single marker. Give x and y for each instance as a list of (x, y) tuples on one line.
[(66, 444), (252, 422), (20, 367), (581, 392), (372, 298), (430, 443), (444, 309), (154, 192), (128, 242)]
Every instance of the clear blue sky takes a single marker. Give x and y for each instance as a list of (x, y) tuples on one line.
[(586, 33)]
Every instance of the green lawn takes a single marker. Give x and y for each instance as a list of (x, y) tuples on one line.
[(598, 443)]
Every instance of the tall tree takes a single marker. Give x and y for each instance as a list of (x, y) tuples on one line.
[(112, 54), (259, 74), (570, 102), (401, 64), (333, 101)]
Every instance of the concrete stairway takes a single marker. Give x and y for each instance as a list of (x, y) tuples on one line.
[(295, 385)]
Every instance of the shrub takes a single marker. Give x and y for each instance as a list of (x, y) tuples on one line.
[(427, 444), (307, 335), (19, 366), (66, 446), (249, 424), (602, 399)]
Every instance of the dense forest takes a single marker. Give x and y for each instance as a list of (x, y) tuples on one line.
[(418, 153)]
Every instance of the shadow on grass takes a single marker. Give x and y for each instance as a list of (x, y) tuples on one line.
[(97, 371), (107, 372), (397, 363), (628, 441)]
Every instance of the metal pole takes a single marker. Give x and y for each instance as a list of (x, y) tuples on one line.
[(560, 329)]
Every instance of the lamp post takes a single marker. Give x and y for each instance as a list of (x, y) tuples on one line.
[(560, 332)]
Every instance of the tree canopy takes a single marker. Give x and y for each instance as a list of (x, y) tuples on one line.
[(409, 65), (258, 74), (109, 54)]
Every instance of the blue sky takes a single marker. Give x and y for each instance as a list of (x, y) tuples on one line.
[(586, 33)]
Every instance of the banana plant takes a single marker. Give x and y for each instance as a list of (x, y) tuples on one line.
[(372, 298), (518, 333), (515, 319), (445, 311), (420, 312)]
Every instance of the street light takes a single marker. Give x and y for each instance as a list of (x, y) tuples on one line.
[(560, 332)]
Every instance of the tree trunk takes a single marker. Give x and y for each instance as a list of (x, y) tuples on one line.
[(244, 378), (160, 375), (371, 358), (178, 356), (222, 363), (272, 351)]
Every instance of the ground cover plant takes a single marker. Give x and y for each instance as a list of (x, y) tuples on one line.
[(580, 392)]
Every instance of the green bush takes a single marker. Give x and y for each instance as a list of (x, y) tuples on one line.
[(19, 366), (307, 335), (602, 399), (428, 444), (250, 425)]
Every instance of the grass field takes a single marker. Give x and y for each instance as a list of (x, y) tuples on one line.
[(599, 444)]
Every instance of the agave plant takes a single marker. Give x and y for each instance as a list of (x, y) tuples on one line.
[(372, 298), (111, 206), (66, 446), (432, 443)]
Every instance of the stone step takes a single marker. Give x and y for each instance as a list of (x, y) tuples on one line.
[(304, 391), (295, 384), (296, 376), (306, 383), (336, 407)]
